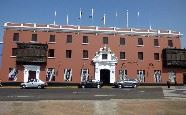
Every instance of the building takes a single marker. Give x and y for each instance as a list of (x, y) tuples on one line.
[(71, 54)]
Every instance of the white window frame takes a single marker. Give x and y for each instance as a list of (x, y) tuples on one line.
[(50, 73), (12, 74), (157, 76), (123, 74), (67, 74), (84, 74), (141, 76)]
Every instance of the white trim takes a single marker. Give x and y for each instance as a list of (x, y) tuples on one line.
[(90, 29), (28, 68)]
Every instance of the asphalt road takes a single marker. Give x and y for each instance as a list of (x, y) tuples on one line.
[(17, 94)]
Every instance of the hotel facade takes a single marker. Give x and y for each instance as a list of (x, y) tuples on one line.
[(71, 54)]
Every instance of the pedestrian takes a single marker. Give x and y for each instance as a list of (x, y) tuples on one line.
[(168, 83), (0, 83)]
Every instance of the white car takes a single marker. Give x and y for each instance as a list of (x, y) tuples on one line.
[(126, 83), (35, 83)]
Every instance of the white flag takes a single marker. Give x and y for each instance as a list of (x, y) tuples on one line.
[(138, 13), (67, 19), (55, 13)]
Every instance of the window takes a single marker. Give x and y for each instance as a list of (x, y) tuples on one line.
[(104, 56), (105, 40), (140, 55), (140, 41), (156, 56), (69, 39), (172, 76), (12, 76), (123, 74), (50, 74), (14, 51), (170, 43), (51, 53), (122, 55), (52, 38), (85, 39), (85, 53), (156, 42), (157, 76), (68, 53), (34, 37), (122, 41), (67, 74), (84, 74), (141, 76), (16, 37)]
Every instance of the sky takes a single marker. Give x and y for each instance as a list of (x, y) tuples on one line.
[(160, 14)]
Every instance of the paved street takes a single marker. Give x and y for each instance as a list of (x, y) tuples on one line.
[(106, 101), (17, 94)]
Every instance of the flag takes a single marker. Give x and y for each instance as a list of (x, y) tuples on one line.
[(67, 19), (55, 13), (116, 14), (103, 19), (138, 13), (92, 14), (80, 14)]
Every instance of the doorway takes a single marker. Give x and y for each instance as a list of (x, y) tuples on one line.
[(32, 75), (184, 78), (105, 76)]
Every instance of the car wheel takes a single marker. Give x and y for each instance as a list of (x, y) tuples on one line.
[(39, 87), (134, 85), (23, 86), (98, 86), (83, 86), (120, 86)]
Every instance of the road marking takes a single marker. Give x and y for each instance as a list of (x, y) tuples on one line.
[(104, 95), (19, 96), (141, 91), (76, 92)]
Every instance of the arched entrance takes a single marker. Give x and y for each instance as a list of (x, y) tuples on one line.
[(105, 76), (105, 62)]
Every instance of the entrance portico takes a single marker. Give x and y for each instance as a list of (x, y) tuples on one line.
[(31, 72), (105, 62)]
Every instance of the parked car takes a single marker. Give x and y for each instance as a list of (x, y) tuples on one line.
[(91, 84), (35, 83), (126, 83)]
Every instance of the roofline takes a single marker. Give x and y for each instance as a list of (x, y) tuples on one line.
[(89, 29)]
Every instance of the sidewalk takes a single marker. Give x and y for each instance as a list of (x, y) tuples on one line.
[(174, 92)]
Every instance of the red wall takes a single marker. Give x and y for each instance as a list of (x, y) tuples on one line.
[(60, 62)]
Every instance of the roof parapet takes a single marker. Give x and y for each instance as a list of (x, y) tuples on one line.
[(89, 29)]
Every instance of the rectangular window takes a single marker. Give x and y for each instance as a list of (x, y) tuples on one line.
[(140, 55), (122, 41), (67, 74), (84, 74), (14, 51), (156, 56), (34, 37), (69, 39), (85, 53), (12, 76), (104, 56), (85, 39), (157, 76), (51, 53), (52, 38), (141, 76), (170, 43), (50, 75), (156, 42), (122, 55), (16, 37), (105, 40), (140, 41), (123, 74), (68, 53)]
